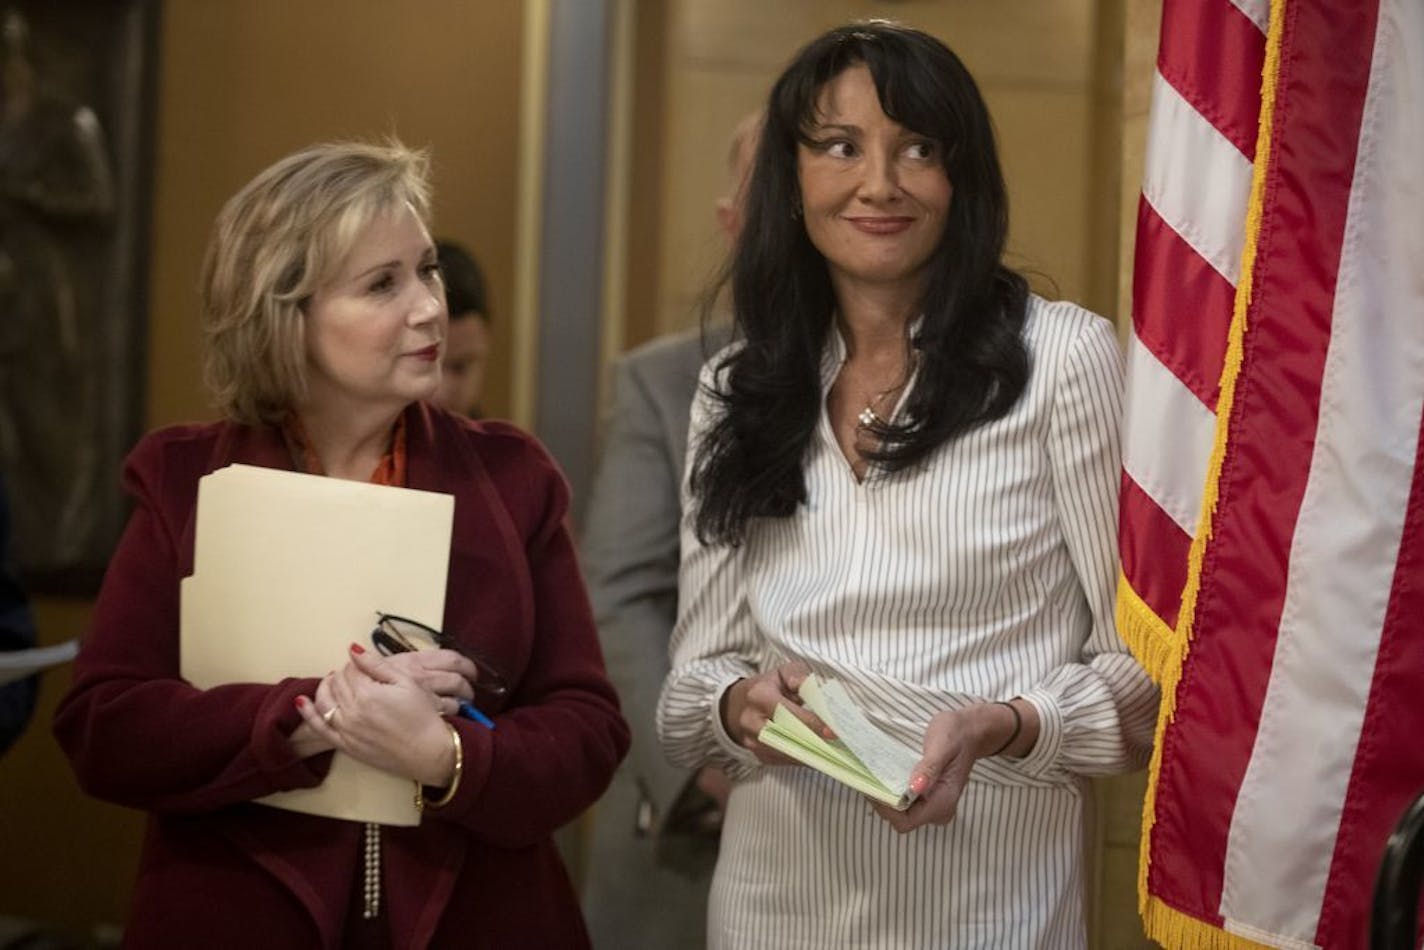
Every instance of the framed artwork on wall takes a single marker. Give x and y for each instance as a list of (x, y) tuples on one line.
[(77, 102)]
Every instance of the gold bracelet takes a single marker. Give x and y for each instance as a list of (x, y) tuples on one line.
[(420, 803)]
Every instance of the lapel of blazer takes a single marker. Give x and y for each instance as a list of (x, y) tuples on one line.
[(441, 456)]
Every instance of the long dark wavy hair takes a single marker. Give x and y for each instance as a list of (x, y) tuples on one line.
[(972, 362)]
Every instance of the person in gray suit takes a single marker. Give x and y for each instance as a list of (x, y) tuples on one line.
[(654, 837)]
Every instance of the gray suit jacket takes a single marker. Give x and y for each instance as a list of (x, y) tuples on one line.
[(630, 556)]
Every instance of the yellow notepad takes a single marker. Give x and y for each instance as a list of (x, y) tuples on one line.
[(861, 756)]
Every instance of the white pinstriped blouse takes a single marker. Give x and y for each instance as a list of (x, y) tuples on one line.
[(985, 574)]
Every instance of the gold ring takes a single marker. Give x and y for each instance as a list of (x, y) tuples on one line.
[(330, 714)]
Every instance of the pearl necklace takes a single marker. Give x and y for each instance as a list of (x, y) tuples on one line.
[(371, 884)]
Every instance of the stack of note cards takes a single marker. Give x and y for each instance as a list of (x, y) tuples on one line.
[(288, 571), (861, 755)]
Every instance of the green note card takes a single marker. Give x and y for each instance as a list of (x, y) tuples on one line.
[(861, 756)]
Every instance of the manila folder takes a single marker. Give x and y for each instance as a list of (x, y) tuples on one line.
[(290, 569)]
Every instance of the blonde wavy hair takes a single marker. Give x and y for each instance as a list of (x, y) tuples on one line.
[(285, 234)]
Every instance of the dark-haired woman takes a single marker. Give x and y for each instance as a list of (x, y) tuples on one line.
[(904, 477)]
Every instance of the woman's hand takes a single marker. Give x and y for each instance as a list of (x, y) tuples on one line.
[(381, 714), (446, 674), (305, 740), (954, 740), (749, 704)]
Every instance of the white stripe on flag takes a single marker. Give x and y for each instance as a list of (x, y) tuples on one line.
[(1257, 11), (1342, 558), (1167, 437), (1196, 180)]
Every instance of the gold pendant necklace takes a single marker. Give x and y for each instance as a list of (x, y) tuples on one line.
[(869, 418)]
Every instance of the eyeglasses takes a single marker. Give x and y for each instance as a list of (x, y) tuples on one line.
[(395, 634)]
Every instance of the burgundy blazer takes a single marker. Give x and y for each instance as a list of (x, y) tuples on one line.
[(217, 870)]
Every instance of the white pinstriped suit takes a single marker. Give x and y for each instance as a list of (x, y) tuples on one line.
[(986, 573)]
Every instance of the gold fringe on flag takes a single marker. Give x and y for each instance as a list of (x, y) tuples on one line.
[(1178, 931), (1168, 926), (1147, 635)]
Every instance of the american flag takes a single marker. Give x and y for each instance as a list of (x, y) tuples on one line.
[(1272, 528)]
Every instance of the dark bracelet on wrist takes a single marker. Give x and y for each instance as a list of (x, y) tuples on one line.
[(722, 705), (1018, 727)]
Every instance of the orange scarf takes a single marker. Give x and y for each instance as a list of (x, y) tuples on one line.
[(390, 470)]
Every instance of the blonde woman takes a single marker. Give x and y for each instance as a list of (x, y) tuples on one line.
[(325, 320)]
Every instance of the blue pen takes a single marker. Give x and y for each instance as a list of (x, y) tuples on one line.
[(470, 712)]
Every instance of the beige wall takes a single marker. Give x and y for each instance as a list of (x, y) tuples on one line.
[(244, 83), (1129, 37), (240, 85)]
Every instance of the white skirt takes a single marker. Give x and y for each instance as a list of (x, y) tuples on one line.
[(806, 863)]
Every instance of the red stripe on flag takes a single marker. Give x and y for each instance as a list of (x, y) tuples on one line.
[(1319, 99), (1386, 776), (1212, 55), (1154, 552), (1181, 306)]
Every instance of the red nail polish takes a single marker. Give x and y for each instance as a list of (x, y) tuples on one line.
[(917, 784), (300, 701), (357, 648)]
